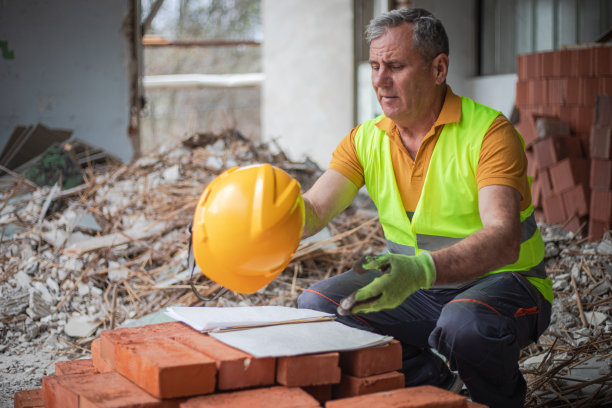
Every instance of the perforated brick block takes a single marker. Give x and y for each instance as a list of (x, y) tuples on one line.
[(576, 200), (235, 369), (372, 360), (601, 174), (102, 390), (544, 179), (581, 62), (424, 396), (312, 369), (600, 141), (271, 397), (568, 173), (603, 110), (165, 368), (577, 225), (29, 399), (351, 386), (84, 366), (552, 149), (602, 61), (554, 209), (601, 206), (597, 229)]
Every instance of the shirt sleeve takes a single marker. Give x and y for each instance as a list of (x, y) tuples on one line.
[(503, 161), (345, 160)]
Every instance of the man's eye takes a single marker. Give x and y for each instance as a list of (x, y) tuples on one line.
[(396, 67)]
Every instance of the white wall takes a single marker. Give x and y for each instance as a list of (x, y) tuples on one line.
[(70, 70), (307, 97)]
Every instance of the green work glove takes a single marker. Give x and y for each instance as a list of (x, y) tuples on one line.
[(407, 275)]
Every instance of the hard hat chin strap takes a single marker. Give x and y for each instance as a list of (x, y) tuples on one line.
[(192, 264)]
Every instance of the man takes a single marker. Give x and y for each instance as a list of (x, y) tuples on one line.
[(465, 273)]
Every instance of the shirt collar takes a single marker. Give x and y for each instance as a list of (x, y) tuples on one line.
[(450, 113)]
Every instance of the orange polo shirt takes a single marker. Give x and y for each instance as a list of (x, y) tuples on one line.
[(502, 158)]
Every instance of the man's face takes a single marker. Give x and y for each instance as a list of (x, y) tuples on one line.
[(404, 83)]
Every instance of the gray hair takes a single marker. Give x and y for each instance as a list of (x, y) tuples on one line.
[(430, 38)]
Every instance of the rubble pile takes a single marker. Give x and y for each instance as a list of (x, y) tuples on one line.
[(114, 252)]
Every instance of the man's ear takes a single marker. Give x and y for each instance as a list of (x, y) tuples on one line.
[(439, 67)]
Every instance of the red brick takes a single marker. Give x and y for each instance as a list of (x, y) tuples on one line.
[(536, 193), (57, 396), (576, 224), (109, 338), (102, 390), (601, 174), (548, 60), (521, 67), (551, 126), (272, 397), (540, 89), (322, 393), (84, 366), (425, 396), (568, 173), (99, 363), (235, 369), (603, 111), (556, 91), (601, 142), (29, 399), (605, 86), (552, 149), (602, 60), (351, 386), (581, 62), (589, 88), (601, 205), (544, 178), (165, 368), (564, 68), (373, 360), (576, 200), (597, 229), (554, 210), (526, 126), (312, 369), (532, 66), (522, 93), (583, 119), (571, 91)]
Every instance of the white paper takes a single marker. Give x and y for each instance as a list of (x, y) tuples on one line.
[(300, 338), (206, 319)]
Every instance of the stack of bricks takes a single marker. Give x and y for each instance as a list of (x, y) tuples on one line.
[(563, 99), (170, 365)]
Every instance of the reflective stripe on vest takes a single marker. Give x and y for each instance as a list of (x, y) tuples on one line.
[(447, 211)]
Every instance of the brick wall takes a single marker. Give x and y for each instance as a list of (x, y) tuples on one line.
[(564, 100)]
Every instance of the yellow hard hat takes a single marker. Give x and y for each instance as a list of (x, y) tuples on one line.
[(247, 226)]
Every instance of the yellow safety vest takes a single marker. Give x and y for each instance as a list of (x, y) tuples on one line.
[(448, 208)]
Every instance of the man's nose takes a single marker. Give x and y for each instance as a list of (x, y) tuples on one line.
[(381, 77)]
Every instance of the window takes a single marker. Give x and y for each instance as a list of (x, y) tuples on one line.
[(511, 27)]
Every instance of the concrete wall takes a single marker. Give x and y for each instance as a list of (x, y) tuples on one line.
[(70, 70), (307, 97)]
